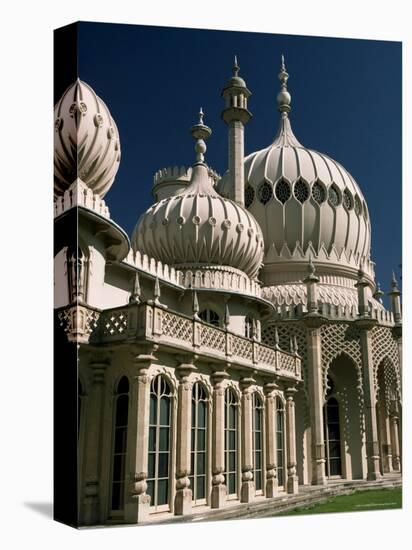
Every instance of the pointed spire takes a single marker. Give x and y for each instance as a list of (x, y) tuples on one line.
[(227, 316), (156, 291), (394, 282), (284, 98), (378, 293), (200, 132), (276, 338), (236, 67), (135, 295), (195, 306)]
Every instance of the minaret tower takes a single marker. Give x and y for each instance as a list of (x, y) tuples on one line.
[(236, 115)]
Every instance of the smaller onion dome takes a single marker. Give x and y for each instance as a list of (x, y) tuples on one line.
[(236, 81), (198, 228), (86, 144)]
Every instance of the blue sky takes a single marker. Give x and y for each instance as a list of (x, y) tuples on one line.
[(346, 97)]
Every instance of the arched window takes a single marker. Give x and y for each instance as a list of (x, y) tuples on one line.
[(231, 442), (210, 316), (159, 442), (121, 408), (332, 438), (248, 327), (257, 441), (280, 442), (198, 468)]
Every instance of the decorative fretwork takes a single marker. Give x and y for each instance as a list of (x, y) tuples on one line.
[(115, 323), (282, 191), (249, 195), (213, 338), (338, 339), (78, 322), (267, 356), (301, 191), (242, 347), (347, 200), (177, 327), (318, 192), (388, 386), (384, 346), (334, 195), (265, 192)]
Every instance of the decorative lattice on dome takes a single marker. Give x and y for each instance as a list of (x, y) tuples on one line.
[(358, 206), (347, 199), (384, 346), (333, 195), (338, 339), (265, 193), (318, 192), (282, 191), (301, 191), (249, 195)]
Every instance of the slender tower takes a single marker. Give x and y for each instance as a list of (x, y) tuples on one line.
[(236, 115)]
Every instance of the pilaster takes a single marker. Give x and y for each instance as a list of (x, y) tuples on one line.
[(371, 428), (218, 495), (292, 480), (247, 491), (396, 458), (183, 498), (270, 409), (91, 501)]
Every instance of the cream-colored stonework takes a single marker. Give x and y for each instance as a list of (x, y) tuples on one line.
[(227, 353)]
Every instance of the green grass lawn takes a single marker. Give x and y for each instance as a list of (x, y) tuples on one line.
[(377, 499)]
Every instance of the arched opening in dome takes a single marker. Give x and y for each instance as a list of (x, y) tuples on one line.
[(318, 192), (301, 191), (347, 199), (210, 316), (265, 193), (358, 206), (249, 195), (282, 191), (334, 195)]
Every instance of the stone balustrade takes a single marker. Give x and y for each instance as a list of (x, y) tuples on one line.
[(150, 322)]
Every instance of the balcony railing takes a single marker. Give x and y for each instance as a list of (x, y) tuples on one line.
[(151, 322)]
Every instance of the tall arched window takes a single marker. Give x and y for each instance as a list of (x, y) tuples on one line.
[(159, 442), (231, 442), (257, 435), (332, 438), (198, 468), (280, 442), (210, 316), (121, 408)]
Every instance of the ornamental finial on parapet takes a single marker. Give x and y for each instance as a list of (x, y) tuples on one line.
[(200, 132), (284, 98)]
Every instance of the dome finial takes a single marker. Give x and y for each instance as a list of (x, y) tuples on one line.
[(284, 97), (236, 67), (200, 132)]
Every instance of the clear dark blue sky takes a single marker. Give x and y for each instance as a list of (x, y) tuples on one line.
[(346, 97)]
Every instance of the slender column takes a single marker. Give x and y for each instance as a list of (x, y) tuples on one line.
[(292, 481), (371, 428), (396, 458), (315, 383), (183, 498), (247, 491), (218, 495), (236, 170), (271, 473), (91, 502), (138, 504)]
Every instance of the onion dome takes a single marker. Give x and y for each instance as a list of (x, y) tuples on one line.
[(305, 202), (198, 228), (86, 144), (235, 81)]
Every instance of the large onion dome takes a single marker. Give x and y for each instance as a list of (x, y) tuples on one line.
[(86, 144), (306, 203), (198, 228)]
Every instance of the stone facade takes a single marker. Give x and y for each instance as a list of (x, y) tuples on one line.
[(201, 384)]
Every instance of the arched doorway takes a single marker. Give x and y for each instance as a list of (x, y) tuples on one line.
[(343, 421)]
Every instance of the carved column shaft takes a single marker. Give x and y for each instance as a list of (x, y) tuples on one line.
[(315, 383), (396, 458), (371, 428), (91, 510), (271, 459), (218, 496), (292, 481), (183, 498), (247, 491), (137, 506)]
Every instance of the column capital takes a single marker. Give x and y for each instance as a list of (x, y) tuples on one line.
[(246, 382), (269, 388), (218, 377)]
